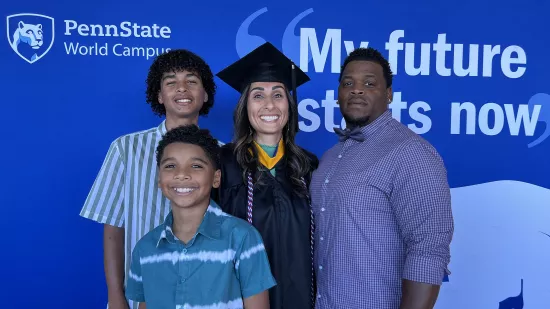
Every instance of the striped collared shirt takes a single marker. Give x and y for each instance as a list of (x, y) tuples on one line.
[(125, 192), (383, 214), (221, 265)]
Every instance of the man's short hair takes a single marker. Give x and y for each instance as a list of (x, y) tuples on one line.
[(373, 55)]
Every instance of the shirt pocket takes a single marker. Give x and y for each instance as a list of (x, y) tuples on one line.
[(365, 180), (365, 192)]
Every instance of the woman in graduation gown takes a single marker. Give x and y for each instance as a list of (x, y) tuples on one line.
[(266, 176)]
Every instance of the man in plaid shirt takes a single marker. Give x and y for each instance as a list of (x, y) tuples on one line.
[(381, 200)]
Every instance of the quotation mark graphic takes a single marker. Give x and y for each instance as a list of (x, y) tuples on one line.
[(246, 42), (542, 99), (291, 41)]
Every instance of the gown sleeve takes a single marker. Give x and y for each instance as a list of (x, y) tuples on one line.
[(231, 182)]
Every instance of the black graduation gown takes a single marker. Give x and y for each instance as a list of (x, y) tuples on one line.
[(283, 220)]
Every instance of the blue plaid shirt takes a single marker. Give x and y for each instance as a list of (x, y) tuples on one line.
[(223, 264), (383, 214)]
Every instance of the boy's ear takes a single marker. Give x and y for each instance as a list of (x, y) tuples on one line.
[(159, 98), (217, 179)]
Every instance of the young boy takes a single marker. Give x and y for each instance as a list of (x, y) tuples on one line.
[(125, 197), (199, 257)]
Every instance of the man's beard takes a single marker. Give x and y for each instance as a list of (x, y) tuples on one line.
[(356, 122)]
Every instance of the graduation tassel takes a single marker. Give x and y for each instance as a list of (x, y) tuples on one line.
[(294, 95)]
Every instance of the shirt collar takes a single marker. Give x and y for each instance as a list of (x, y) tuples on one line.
[(210, 226), (378, 123), (161, 129)]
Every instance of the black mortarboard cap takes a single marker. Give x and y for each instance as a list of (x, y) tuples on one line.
[(264, 64)]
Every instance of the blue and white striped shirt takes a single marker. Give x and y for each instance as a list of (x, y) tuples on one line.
[(125, 192)]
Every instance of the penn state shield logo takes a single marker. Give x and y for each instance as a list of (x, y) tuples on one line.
[(30, 35)]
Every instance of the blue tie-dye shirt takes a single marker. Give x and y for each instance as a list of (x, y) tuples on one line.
[(223, 263)]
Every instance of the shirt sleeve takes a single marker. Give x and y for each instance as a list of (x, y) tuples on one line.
[(134, 286), (252, 265), (421, 199), (104, 203)]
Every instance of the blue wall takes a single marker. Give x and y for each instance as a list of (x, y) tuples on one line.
[(62, 109)]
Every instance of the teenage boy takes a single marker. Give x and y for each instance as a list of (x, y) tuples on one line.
[(125, 196)]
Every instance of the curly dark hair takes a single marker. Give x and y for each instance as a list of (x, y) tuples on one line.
[(176, 61), (191, 134), (369, 54)]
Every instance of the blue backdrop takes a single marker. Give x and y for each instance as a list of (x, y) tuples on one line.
[(471, 77)]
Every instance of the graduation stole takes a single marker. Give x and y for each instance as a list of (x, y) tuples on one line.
[(266, 160)]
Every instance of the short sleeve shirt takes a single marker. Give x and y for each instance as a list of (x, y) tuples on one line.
[(125, 192), (221, 265)]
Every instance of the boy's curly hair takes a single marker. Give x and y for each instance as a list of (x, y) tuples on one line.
[(176, 61), (191, 134)]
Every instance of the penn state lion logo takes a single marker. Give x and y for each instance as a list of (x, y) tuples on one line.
[(29, 35)]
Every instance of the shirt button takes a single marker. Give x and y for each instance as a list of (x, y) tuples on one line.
[(322, 238), (319, 296), (184, 250), (323, 209), (321, 267), (326, 180), (339, 156)]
